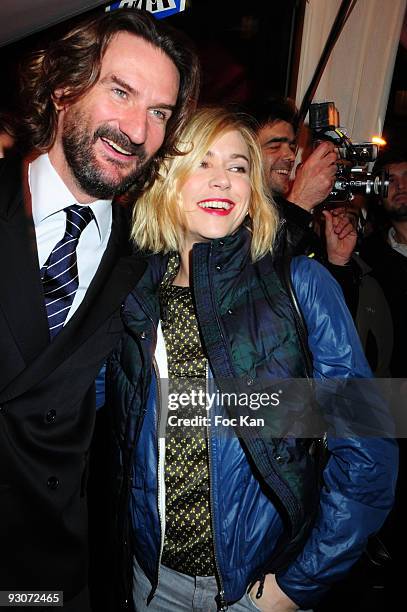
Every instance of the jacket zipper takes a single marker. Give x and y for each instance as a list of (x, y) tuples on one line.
[(215, 309), (158, 415), (222, 602), (133, 444)]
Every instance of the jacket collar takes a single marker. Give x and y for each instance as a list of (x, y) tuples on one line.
[(146, 292), (233, 250), (21, 295)]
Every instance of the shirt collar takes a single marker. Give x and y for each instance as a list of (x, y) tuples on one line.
[(397, 246), (49, 195)]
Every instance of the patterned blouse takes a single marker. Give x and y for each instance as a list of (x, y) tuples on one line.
[(188, 544)]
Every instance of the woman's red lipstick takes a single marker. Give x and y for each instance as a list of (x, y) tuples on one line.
[(221, 206)]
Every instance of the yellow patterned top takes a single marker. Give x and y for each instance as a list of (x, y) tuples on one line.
[(188, 544)]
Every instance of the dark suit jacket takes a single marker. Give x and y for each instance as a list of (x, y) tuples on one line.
[(47, 409)]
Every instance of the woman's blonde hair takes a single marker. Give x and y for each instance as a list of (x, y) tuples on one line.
[(158, 220)]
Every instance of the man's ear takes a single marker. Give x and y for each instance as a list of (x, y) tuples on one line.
[(59, 98)]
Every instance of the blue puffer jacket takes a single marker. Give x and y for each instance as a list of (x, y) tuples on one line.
[(250, 523)]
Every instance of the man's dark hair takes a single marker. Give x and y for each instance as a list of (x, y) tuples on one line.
[(7, 123), (10, 125), (73, 63), (272, 109), (390, 155)]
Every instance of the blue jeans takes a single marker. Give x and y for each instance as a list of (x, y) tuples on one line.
[(181, 593)]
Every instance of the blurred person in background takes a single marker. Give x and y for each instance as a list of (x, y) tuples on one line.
[(385, 251)]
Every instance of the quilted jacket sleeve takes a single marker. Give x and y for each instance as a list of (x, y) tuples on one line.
[(360, 476)]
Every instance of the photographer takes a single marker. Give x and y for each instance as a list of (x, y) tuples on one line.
[(297, 199)]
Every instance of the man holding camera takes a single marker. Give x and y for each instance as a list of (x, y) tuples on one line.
[(298, 198)]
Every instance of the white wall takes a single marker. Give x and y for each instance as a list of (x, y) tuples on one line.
[(19, 18), (359, 72)]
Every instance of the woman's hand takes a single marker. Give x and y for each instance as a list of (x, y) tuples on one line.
[(273, 598)]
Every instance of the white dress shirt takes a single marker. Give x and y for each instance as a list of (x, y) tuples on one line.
[(49, 196), (397, 246)]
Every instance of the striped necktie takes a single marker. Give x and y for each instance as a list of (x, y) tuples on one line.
[(59, 274)]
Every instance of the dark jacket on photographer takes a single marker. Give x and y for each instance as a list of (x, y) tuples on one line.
[(249, 334)]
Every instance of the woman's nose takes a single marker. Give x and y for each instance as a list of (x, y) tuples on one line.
[(220, 179)]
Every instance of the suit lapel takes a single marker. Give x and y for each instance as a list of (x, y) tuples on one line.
[(21, 296), (115, 278)]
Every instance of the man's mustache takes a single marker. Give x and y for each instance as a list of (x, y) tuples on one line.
[(121, 140)]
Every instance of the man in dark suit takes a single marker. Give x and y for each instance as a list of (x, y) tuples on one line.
[(104, 104)]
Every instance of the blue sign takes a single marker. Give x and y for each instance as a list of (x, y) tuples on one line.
[(159, 8)]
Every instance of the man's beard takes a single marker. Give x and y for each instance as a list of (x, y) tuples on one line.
[(78, 141), (399, 213), (279, 187), (278, 190)]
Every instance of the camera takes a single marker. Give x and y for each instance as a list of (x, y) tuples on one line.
[(355, 161)]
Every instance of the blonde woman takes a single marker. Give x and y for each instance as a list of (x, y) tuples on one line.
[(236, 521)]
